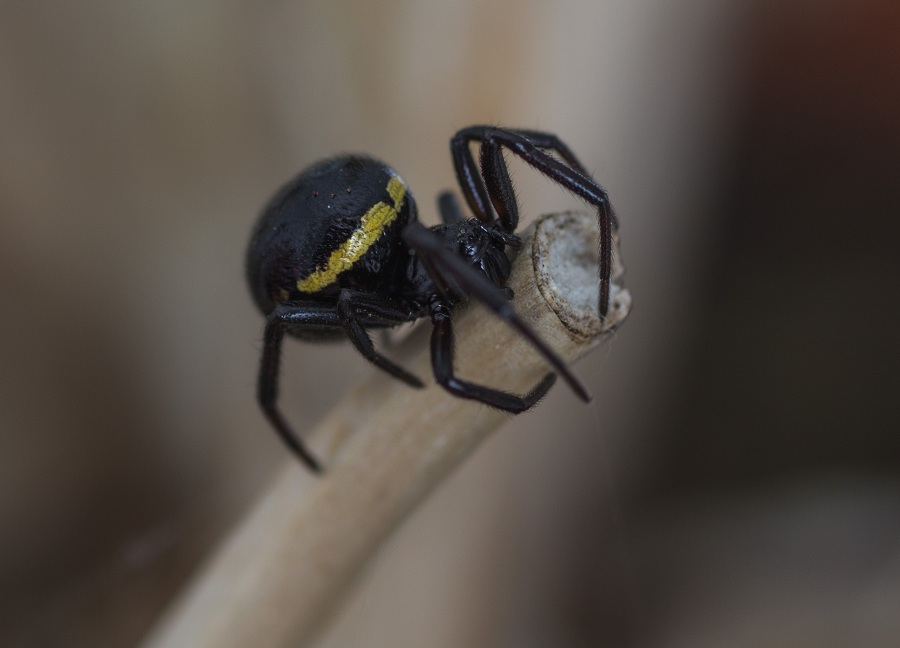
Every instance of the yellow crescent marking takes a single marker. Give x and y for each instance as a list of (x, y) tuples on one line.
[(371, 226)]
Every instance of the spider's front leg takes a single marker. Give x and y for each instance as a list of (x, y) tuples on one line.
[(492, 186)]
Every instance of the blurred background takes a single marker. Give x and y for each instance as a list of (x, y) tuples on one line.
[(735, 481)]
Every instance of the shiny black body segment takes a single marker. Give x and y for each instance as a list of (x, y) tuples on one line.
[(339, 251), (312, 216)]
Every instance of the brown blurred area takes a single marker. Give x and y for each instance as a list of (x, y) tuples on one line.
[(735, 481)]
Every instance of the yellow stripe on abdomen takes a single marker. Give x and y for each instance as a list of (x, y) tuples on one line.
[(371, 227)]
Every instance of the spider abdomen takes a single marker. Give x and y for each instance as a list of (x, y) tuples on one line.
[(336, 225)]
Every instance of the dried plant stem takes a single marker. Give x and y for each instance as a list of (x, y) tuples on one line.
[(386, 446)]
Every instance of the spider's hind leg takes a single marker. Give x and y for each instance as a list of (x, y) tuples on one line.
[(348, 304), (352, 314), (286, 316)]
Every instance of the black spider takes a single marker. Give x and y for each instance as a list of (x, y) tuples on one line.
[(339, 251)]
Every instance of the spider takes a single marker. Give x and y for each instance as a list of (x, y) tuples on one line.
[(339, 251)]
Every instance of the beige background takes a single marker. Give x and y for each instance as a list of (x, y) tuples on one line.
[(734, 481)]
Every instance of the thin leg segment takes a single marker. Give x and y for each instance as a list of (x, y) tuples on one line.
[(267, 386), (470, 180)]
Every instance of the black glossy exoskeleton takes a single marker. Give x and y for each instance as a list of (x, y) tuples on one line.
[(339, 250)]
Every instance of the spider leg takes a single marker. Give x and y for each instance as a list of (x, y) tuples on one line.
[(348, 304), (449, 209), (442, 345), (499, 185), (446, 269), (550, 142), (470, 180), (282, 318), (313, 317), (495, 183)]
